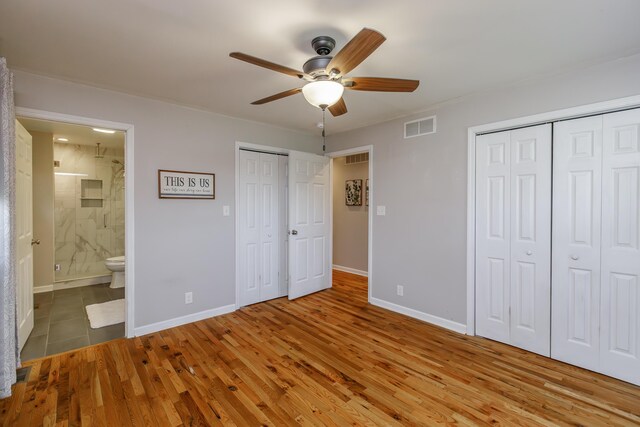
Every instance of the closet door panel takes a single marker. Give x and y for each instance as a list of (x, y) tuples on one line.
[(250, 214), (620, 296), (493, 233), (269, 227), (577, 176), (530, 250)]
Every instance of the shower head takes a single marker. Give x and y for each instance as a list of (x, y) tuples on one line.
[(99, 154), (117, 162)]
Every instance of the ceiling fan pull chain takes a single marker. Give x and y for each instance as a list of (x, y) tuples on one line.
[(324, 147)]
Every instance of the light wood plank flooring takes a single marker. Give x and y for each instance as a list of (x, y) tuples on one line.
[(326, 359)]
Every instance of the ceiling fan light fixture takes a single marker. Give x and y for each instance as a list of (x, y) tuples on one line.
[(322, 93)]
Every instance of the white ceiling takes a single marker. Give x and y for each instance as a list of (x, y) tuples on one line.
[(76, 134), (178, 50)]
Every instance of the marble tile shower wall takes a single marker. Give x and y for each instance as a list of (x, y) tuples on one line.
[(88, 231)]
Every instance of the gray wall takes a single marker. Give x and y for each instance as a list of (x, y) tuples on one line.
[(180, 245), (421, 242), (43, 254), (350, 223)]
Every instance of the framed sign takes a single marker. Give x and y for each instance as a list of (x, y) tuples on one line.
[(186, 185)]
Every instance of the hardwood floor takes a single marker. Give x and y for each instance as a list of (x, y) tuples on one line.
[(326, 359)]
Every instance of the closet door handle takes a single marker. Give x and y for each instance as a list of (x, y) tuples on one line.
[(294, 232), (575, 257), (529, 253)]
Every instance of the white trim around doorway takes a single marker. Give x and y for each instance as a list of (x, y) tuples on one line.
[(347, 152), (552, 116), (128, 189)]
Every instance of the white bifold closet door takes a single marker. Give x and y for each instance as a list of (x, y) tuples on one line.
[(513, 233), (259, 214), (596, 233)]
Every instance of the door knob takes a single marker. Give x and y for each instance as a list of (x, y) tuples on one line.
[(35, 242), (575, 257), (294, 232), (529, 253)]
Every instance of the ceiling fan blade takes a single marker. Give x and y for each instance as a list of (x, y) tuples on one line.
[(339, 108), (266, 64), (277, 96), (380, 84), (356, 51)]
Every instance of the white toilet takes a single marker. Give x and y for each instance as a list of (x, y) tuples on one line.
[(116, 265)]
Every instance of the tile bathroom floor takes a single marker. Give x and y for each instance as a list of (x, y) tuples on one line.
[(61, 322)]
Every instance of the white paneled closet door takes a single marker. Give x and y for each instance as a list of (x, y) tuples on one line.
[(596, 295), (620, 272), (577, 177), (259, 226), (493, 235), (513, 237)]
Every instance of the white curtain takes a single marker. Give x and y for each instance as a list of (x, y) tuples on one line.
[(9, 355)]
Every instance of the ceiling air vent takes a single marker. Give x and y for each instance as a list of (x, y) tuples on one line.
[(419, 127), (357, 158)]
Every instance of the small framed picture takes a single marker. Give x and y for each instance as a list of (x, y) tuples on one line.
[(353, 192), (366, 193)]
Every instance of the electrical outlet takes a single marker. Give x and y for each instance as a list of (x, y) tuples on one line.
[(188, 297), (400, 290), (57, 267), (381, 210), (225, 210)]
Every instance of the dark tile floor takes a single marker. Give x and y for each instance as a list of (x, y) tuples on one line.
[(61, 322)]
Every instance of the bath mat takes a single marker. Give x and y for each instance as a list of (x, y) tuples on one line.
[(106, 313)]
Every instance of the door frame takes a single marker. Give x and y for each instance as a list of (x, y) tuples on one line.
[(349, 151), (128, 194), (532, 120), (250, 146)]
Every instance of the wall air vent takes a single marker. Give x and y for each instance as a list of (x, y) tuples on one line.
[(357, 158), (420, 127)]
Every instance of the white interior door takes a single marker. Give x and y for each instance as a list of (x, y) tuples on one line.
[(309, 225), (259, 227), (577, 177), (620, 255), (513, 241), (24, 227)]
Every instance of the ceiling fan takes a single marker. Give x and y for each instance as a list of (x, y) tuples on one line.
[(325, 75)]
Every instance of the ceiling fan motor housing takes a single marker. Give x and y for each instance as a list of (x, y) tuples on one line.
[(316, 66)]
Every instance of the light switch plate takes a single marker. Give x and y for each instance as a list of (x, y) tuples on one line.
[(381, 210), (225, 210)]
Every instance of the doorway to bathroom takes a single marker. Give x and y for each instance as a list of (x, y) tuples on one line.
[(76, 286)]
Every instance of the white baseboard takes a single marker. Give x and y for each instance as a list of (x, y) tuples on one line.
[(350, 270), (73, 283), (429, 318), (177, 321), (42, 288), (76, 283)]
